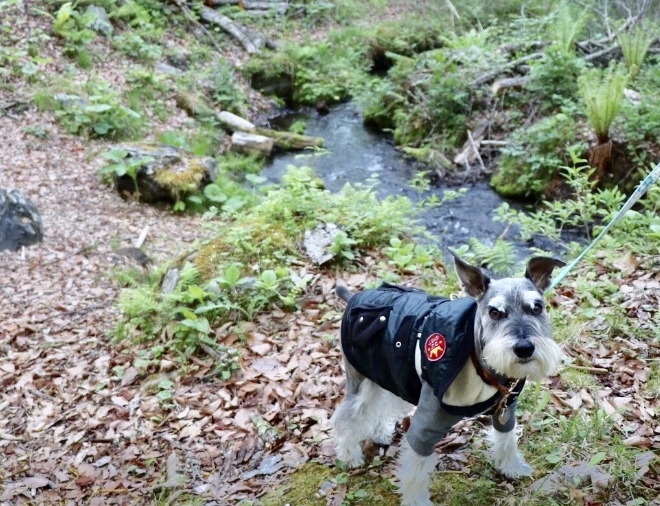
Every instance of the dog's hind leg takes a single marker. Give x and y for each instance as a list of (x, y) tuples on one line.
[(350, 421), (385, 411)]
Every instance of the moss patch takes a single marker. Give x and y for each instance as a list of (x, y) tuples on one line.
[(183, 180), (303, 488)]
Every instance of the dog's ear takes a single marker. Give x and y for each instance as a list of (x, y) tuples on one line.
[(473, 279), (539, 271)]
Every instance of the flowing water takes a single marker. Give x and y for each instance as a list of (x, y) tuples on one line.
[(357, 154)]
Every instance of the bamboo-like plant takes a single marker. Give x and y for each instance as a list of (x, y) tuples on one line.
[(635, 44), (602, 91)]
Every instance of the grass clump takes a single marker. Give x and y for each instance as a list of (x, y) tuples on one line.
[(303, 488)]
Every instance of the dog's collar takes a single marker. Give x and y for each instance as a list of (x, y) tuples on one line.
[(505, 391)]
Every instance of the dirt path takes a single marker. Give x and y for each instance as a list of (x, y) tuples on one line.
[(81, 416)]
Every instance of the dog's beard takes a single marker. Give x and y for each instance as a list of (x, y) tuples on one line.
[(498, 354)]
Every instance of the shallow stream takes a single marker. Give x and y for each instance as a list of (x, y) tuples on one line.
[(357, 154)]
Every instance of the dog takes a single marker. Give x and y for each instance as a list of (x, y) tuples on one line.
[(450, 358)]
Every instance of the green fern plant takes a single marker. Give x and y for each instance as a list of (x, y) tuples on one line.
[(500, 257), (634, 46), (602, 91), (567, 27)]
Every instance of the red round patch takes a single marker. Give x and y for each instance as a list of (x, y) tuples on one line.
[(435, 347)]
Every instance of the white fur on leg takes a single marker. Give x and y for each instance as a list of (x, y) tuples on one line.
[(414, 474), (505, 455)]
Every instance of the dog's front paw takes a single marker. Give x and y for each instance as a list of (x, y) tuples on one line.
[(417, 500), (351, 458), (517, 468)]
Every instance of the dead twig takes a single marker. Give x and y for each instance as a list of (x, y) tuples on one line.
[(595, 370), (143, 235), (476, 151)]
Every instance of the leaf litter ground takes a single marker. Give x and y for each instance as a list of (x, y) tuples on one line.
[(75, 431)]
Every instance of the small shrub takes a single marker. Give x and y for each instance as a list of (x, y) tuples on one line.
[(586, 209), (324, 70), (224, 90), (431, 101), (133, 45), (534, 156), (98, 114), (554, 78)]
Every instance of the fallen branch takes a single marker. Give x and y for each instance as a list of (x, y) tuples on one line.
[(489, 76), (595, 370), (251, 44), (191, 19), (602, 52)]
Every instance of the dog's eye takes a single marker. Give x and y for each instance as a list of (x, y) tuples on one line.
[(537, 309), (495, 314)]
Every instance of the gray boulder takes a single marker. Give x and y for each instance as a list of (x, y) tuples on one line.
[(20, 221)]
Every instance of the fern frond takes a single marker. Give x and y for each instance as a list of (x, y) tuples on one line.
[(603, 95), (635, 44), (499, 258), (567, 27)]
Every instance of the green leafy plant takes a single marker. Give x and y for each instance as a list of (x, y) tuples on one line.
[(341, 246), (133, 45), (635, 44), (96, 113), (553, 79), (567, 27), (408, 257), (121, 165), (534, 156), (224, 89), (72, 27), (501, 257), (602, 91), (587, 207)]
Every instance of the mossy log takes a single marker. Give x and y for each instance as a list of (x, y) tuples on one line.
[(246, 143), (290, 141)]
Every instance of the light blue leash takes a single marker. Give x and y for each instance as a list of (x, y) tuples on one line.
[(637, 194)]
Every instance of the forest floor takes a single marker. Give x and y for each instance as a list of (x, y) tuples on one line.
[(82, 423)]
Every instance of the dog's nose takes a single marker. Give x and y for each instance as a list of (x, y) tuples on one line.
[(523, 348)]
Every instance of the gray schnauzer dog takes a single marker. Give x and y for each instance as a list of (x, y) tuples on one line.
[(450, 358)]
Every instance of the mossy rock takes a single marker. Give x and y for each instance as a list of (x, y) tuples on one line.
[(168, 174)]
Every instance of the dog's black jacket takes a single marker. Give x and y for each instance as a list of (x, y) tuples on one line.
[(382, 328)]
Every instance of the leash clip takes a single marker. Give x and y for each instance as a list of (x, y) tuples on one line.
[(500, 410)]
